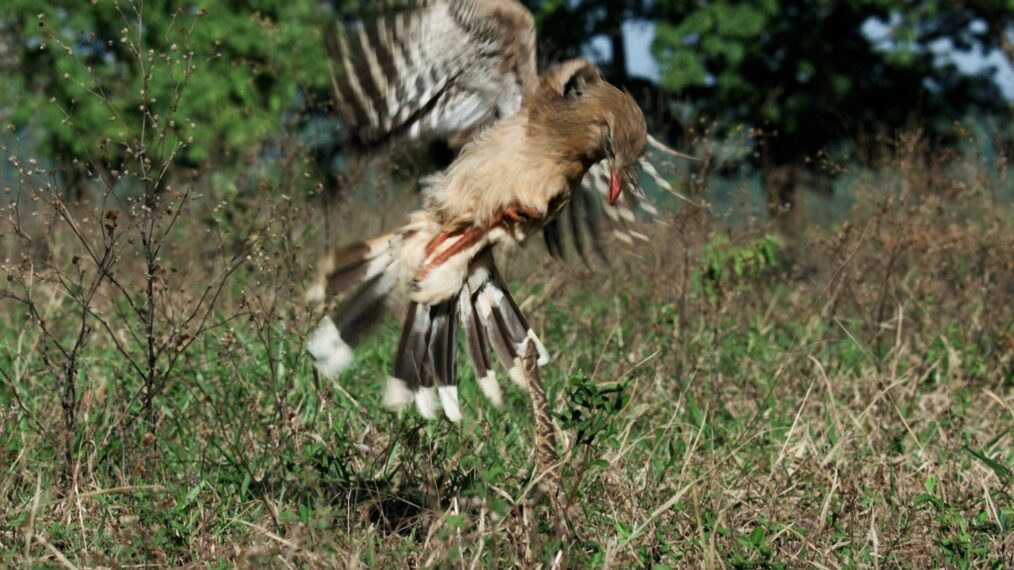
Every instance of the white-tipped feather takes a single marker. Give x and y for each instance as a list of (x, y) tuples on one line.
[(623, 237), (331, 355), (491, 388), (449, 401), (663, 148), (539, 347), (517, 373), (315, 295), (397, 394), (484, 308), (426, 402), (651, 171)]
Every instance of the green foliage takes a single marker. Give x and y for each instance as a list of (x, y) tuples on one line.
[(726, 267), (87, 73), (592, 410), (967, 536), (806, 71)]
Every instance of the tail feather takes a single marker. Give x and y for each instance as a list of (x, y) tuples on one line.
[(505, 326), (425, 368), (443, 343), (425, 365), (529, 333), (412, 363), (498, 341), (357, 263), (444, 353), (413, 378), (372, 266), (357, 315), (478, 347)]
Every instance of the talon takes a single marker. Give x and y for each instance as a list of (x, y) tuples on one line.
[(519, 213), (513, 214)]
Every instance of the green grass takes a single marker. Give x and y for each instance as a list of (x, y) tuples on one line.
[(749, 411)]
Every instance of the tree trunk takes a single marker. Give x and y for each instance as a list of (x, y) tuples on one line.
[(73, 176), (784, 201), (615, 14)]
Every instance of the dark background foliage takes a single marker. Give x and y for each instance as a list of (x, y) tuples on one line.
[(806, 76)]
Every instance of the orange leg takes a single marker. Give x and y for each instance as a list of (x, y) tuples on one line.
[(435, 242), (467, 239), (470, 236)]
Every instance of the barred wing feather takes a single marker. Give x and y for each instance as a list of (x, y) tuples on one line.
[(447, 68)]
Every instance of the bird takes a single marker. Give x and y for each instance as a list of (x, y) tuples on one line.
[(532, 146)]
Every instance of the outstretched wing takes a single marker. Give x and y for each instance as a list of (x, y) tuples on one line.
[(444, 69), (589, 217)]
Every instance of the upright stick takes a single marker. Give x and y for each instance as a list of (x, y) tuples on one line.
[(545, 430), (547, 460)]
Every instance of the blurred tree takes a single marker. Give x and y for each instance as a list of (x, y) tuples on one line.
[(969, 24), (566, 26), (806, 72), (77, 86)]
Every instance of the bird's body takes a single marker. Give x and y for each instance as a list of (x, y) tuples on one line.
[(521, 168)]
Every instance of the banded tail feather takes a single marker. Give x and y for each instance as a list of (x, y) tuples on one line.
[(501, 322), (372, 267), (425, 366), (425, 370), (477, 342)]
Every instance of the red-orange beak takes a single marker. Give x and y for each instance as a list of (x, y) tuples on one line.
[(614, 186)]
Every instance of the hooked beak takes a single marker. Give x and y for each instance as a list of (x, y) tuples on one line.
[(615, 185)]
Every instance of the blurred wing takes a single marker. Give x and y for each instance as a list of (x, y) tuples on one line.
[(589, 217), (447, 68)]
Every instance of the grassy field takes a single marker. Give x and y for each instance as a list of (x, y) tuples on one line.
[(724, 398)]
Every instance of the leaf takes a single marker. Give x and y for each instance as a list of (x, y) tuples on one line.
[(456, 521), (1001, 470), (194, 491)]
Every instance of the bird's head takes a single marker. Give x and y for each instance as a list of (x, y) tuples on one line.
[(624, 140), (599, 121)]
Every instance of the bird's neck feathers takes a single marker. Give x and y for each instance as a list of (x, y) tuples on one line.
[(571, 130)]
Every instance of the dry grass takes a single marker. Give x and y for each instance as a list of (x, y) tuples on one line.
[(724, 399)]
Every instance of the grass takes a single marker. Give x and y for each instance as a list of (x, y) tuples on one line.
[(724, 399)]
